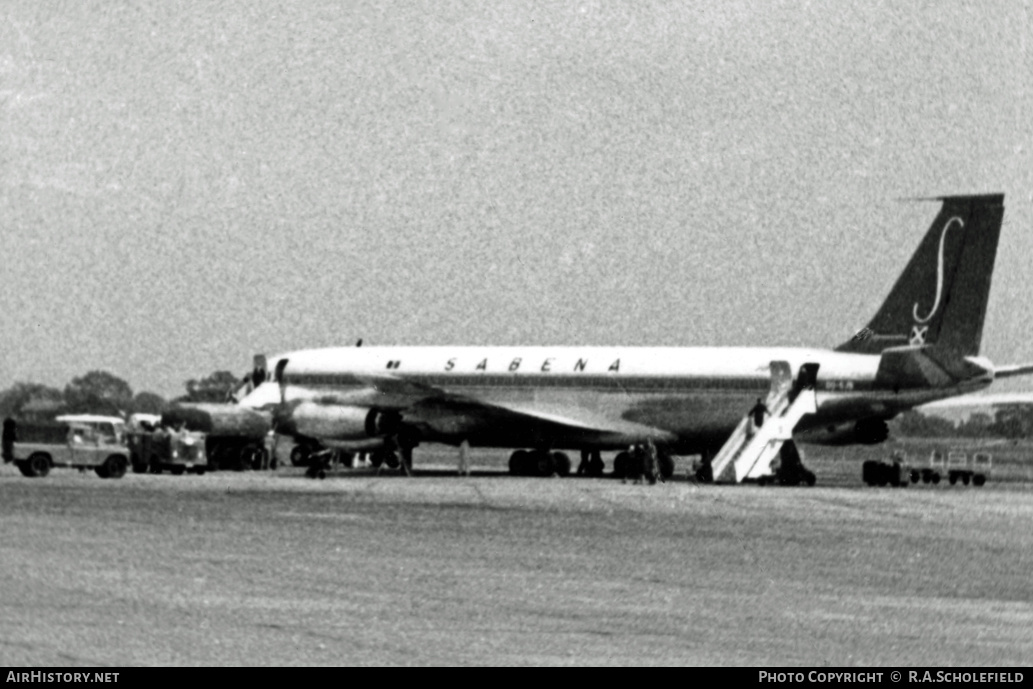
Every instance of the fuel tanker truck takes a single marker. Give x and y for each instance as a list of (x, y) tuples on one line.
[(235, 437)]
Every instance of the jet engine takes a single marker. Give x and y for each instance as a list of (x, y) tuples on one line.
[(869, 431), (337, 422)]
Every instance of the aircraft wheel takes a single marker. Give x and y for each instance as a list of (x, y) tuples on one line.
[(376, 459), (541, 462), (178, 470), (299, 456), (978, 480), (953, 479), (391, 460), (321, 474), (518, 463), (561, 463), (964, 479), (936, 478), (39, 464), (199, 471), (915, 476)]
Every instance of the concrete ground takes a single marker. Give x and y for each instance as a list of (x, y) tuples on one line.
[(278, 569)]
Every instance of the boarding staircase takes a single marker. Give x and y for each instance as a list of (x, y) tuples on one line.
[(749, 451)]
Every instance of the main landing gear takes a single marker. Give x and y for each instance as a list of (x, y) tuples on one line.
[(543, 462), (396, 453), (630, 464), (539, 463)]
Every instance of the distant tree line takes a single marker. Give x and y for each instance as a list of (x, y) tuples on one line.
[(101, 392), (1005, 421)]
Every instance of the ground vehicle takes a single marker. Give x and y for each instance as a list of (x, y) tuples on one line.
[(238, 440), (933, 472), (962, 468), (69, 442), (955, 466), (177, 452), (894, 472), (110, 428)]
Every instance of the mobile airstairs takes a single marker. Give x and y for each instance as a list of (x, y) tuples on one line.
[(748, 453)]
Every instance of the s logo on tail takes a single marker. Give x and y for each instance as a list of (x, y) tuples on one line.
[(959, 246), (939, 274)]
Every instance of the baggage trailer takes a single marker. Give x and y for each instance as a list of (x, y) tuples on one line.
[(932, 473), (955, 466), (962, 468), (96, 443)]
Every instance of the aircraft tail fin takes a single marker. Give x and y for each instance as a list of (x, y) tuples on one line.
[(941, 296)]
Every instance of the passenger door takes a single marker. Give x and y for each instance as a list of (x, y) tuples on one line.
[(85, 446)]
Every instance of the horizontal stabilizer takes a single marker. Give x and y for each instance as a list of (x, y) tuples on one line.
[(1013, 370)]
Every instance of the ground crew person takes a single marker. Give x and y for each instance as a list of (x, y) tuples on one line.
[(582, 468), (9, 438), (637, 465), (652, 462), (464, 458), (757, 412)]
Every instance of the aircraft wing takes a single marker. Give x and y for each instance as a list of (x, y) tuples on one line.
[(445, 415), (1012, 370), (582, 422)]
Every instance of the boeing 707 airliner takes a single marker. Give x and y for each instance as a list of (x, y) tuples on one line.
[(921, 345)]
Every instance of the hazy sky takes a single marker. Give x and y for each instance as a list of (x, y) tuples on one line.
[(184, 184)]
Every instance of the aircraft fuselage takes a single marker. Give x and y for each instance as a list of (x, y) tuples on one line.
[(683, 397)]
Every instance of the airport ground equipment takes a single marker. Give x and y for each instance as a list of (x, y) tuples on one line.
[(235, 438), (172, 451), (933, 472), (748, 453), (955, 465), (544, 462), (320, 462), (965, 468), (896, 472), (40, 446)]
